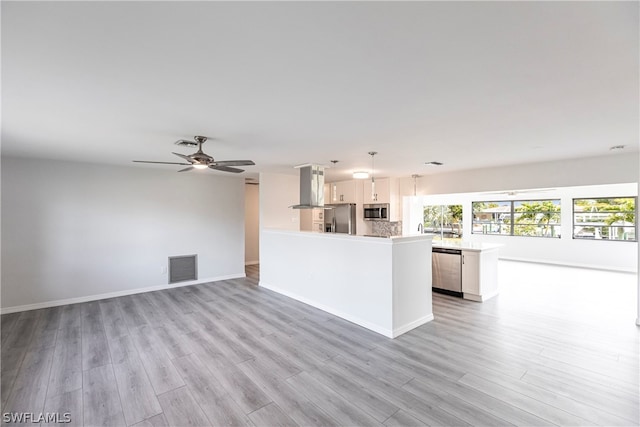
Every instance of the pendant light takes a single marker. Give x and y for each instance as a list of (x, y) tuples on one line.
[(334, 187), (415, 177), (374, 196)]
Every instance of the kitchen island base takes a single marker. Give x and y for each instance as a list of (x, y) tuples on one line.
[(381, 284)]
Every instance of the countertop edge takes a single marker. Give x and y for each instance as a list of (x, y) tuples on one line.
[(350, 237)]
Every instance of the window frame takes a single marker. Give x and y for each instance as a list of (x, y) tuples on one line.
[(635, 217), (442, 207), (512, 214), (493, 201)]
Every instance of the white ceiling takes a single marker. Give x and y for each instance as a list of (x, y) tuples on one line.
[(468, 84)]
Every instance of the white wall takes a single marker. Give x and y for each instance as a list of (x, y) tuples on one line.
[(585, 172), (251, 224), (73, 230), (608, 169), (277, 193), (604, 254)]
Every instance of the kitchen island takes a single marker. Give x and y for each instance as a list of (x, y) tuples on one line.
[(382, 284), (479, 267)]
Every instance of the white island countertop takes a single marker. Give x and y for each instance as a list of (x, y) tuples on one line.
[(466, 245), (445, 244), (364, 238)]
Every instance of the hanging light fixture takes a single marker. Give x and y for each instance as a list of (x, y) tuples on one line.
[(334, 187), (415, 177), (373, 178)]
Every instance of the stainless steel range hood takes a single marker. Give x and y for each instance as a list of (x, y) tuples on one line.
[(311, 187)]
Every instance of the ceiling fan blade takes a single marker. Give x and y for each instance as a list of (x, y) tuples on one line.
[(187, 158), (161, 163), (186, 143), (234, 163), (225, 169), (186, 169), (518, 192)]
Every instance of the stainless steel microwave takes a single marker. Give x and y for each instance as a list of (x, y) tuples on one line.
[(377, 212)]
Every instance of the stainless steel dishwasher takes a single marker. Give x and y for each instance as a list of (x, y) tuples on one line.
[(447, 271)]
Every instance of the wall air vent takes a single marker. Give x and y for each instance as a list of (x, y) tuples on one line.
[(183, 268)]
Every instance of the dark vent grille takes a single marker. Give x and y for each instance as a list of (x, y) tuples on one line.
[(183, 268)]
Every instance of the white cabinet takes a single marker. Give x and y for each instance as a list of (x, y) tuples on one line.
[(341, 192), (382, 193), (479, 274), (471, 272), (387, 190), (312, 220)]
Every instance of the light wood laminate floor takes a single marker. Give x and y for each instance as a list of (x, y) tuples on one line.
[(231, 353)]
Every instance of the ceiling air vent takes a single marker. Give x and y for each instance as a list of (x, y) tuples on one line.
[(183, 268)]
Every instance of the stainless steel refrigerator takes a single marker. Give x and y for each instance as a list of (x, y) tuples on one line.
[(340, 218)]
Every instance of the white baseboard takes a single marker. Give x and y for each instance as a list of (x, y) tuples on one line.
[(251, 262), (472, 297), (412, 325), (479, 298), (55, 303), (365, 324), (360, 322), (571, 264)]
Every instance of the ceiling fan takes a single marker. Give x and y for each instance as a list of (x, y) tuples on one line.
[(201, 160), (513, 193)]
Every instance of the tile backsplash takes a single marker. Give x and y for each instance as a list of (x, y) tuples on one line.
[(386, 228)]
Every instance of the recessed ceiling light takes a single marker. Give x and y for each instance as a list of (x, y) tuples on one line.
[(434, 163), (361, 175), (617, 147)]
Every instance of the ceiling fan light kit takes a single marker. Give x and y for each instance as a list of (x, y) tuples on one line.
[(201, 160)]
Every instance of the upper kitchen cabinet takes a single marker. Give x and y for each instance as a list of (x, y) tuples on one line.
[(341, 192), (387, 190), (382, 193)]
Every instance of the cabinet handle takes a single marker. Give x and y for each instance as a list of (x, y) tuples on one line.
[(463, 259)]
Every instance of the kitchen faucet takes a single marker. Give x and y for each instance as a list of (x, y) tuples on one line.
[(420, 228)]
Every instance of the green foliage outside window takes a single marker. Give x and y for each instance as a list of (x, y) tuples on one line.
[(605, 219), (445, 220), (537, 218)]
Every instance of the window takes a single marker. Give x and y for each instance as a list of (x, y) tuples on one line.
[(534, 218), (445, 220), (605, 219), (491, 218), (538, 218)]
